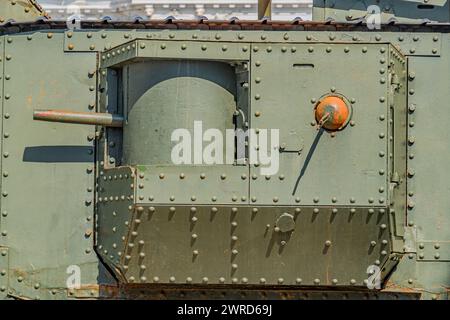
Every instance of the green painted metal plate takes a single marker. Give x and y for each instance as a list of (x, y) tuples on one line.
[(220, 184), (346, 169), (38, 161), (414, 44), (239, 245)]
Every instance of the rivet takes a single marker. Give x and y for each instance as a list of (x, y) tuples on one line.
[(316, 281)]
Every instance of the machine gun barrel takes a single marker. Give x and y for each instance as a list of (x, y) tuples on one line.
[(90, 118)]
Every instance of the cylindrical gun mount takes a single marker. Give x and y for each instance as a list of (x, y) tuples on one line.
[(91, 118)]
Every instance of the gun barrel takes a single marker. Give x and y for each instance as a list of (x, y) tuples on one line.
[(90, 118)]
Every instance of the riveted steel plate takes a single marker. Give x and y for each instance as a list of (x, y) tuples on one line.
[(241, 245), (345, 168), (140, 49), (415, 44), (115, 206), (39, 160), (219, 184)]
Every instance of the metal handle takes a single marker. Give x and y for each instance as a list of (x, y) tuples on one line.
[(90, 118)]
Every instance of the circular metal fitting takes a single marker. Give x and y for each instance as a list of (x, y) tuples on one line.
[(285, 222), (332, 112)]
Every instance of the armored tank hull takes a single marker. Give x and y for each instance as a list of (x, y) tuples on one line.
[(141, 197)]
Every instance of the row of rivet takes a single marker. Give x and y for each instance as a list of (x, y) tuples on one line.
[(5, 173), (243, 280), (152, 209), (234, 198), (410, 173), (6, 135), (241, 36)]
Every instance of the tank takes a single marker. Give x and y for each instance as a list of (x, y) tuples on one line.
[(209, 159)]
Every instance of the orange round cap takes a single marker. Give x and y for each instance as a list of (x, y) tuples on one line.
[(332, 113)]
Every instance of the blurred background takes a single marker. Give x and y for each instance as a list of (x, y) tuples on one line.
[(180, 9)]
